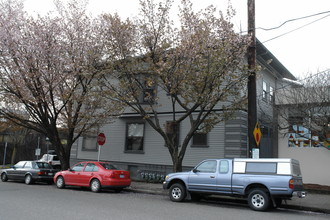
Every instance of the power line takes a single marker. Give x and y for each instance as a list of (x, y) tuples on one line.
[(294, 19), (281, 35)]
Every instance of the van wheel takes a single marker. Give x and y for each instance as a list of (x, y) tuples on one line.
[(258, 200), (177, 192)]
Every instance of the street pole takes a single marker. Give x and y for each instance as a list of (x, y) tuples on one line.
[(38, 148), (252, 88), (5, 154), (98, 155), (47, 146)]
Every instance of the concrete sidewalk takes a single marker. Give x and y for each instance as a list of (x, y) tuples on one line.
[(316, 202)]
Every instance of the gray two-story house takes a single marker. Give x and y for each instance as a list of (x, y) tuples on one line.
[(133, 145)]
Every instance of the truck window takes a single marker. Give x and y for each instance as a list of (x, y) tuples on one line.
[(224, 166), (260, 167), (296, 170), (209, 166)]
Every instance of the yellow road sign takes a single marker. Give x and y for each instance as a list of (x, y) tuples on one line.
[(257, 134)]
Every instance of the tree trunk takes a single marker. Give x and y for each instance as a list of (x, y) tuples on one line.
[(63, 152), (177, 165)]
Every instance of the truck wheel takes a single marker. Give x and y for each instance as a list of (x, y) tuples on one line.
[(177, 192), (258, 200)]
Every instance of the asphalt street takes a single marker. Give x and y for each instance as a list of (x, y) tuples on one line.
[(39, 201)]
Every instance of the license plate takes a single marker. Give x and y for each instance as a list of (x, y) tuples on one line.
[(122, 176), (50, 174)]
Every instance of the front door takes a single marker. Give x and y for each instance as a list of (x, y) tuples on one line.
[(15, 173), (203, 177), (73, 176)]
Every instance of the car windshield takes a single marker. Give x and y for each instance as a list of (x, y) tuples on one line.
[(43, 165), (108, 166)]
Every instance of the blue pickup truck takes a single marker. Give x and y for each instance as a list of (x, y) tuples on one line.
[(263, 182)]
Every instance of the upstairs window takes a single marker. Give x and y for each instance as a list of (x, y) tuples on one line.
[(264, 91), (148, 94), (271, 94)]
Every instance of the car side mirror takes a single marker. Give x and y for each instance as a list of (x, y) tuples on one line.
[(195, 170)]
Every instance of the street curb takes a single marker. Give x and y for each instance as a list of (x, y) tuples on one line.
[(304, 208), (153, 192)]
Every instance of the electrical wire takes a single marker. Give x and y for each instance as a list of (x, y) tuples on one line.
[(294, 19), (295, 29)]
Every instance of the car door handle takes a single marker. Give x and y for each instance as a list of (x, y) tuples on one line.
[(212, 176)]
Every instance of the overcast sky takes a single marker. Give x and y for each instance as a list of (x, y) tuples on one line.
[(303, 51)]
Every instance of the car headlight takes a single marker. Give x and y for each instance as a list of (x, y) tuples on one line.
[(166, 178)]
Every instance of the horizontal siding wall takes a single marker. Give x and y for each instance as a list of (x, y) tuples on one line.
[(236, 137), (155, 151), (215, 149), (156, 155)]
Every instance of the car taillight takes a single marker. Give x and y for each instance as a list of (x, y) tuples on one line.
[(291, 183), (41, 173)]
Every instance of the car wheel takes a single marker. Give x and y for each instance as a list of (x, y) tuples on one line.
[(258, 200), (4, 177), (60, 182), (28, 179), (177, 192), (95, 185)]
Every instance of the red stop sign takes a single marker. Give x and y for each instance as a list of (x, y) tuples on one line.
[(101, 139)]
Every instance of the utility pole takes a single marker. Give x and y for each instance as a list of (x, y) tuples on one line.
[(252, 88)]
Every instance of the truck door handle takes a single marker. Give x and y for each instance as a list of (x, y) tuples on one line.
[(212, 176)]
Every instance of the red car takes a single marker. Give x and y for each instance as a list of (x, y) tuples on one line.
[(96, 175)]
